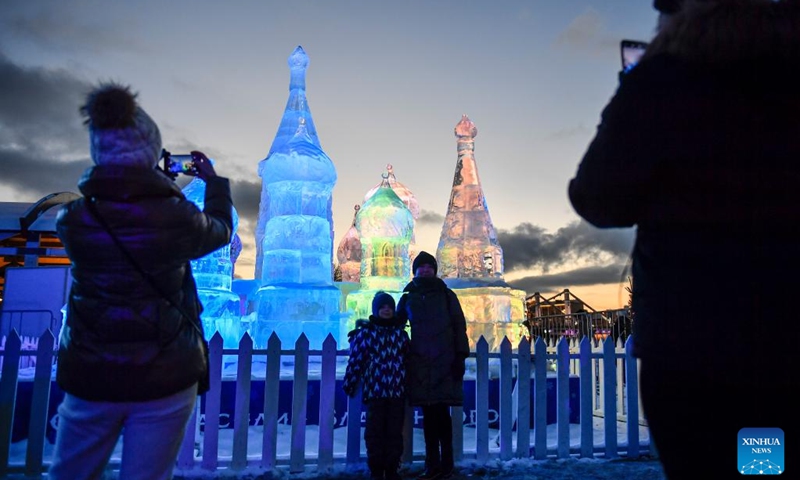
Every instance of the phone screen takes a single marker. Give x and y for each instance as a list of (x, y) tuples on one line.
[(631, 51)]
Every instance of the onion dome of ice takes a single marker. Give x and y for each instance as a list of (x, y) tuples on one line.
[(385, 225), (401, 190), (349, 252)]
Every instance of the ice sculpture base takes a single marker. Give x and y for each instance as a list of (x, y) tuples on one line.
[(493, 311), (221, 313), (291, 310)]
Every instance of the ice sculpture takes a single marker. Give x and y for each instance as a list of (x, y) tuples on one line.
[(470, 258), (349, 252), (385, 225), (297, 294), (214, 276), (295, 111), (407, 197)]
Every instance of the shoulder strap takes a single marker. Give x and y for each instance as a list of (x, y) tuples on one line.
[(91, 205)]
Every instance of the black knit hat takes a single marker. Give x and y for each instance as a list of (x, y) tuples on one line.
[(424, 258), (381, 299)]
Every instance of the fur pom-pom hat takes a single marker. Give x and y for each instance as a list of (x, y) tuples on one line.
[(381, 299), (120, 131)]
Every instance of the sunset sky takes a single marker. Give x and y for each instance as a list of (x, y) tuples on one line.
[(387, 83)]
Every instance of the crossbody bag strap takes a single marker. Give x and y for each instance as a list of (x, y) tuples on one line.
[(91, 205)]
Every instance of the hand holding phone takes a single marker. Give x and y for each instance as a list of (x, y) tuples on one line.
[(630, 52)]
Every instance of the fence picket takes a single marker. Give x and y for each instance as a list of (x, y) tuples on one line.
[(632, 399), (562, 397), (506, 436), (269, 447), (297, 457), (354, 429), (587, 423), (609, 397), (8, 396), (482, 400), (523, 398), (37, 426), (540, 399), (213, 404), (241, 412), (327, 385)]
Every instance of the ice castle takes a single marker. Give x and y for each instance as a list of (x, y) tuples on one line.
[(385, 226), (470, 257), (294, 230)]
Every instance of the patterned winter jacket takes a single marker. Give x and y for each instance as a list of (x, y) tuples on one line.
[(378, 349)]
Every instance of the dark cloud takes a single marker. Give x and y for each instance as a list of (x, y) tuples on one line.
[(43, 143), (428, 217), (246, 197), (529, 246), (556, 282)]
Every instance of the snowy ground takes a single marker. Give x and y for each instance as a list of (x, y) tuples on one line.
[(644, 468)]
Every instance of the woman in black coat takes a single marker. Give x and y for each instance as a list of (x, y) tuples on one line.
[(131, 353), (439, 347)]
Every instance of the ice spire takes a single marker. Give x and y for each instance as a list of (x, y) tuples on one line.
[(297, 293), (296, 111), (470, 258), (468, 246), (349, 252)]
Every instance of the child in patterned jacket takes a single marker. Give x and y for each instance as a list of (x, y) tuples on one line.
[(378, 348)]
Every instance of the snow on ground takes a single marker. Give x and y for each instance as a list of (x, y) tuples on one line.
[(573, 468)]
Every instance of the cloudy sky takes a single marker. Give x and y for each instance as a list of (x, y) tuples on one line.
[(387, 83)]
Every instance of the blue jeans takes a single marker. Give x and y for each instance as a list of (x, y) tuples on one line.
[(152, 433)]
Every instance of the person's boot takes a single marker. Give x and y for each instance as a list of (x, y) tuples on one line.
[(376, 469), (392, 472), (430, 473), (376, 474)]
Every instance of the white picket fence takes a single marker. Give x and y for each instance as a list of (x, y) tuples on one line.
[(608, 378)]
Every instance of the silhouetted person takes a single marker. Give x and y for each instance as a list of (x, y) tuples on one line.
[(439, 347), (699, 150), (131, 354)]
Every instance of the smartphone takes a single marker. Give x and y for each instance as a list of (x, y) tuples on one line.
[(630, 52)]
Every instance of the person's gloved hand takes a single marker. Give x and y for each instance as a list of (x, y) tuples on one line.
[(203, 166)]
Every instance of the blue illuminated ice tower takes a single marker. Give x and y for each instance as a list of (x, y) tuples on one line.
[(296, 109), (295, 259), (213, 274)]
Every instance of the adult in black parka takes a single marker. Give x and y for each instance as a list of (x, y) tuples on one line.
[(699, 149), (439, 347)]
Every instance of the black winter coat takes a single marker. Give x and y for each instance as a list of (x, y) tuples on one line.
[(439, 343), (119, 341), (378, 350), (704, 161)]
